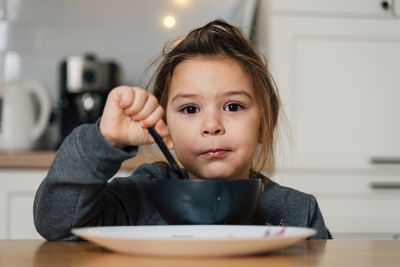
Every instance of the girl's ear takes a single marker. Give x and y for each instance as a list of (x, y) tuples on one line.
[(168, 142)]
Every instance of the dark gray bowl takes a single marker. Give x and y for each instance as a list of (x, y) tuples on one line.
[(206, 201)]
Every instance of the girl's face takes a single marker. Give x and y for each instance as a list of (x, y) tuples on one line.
[(213, 118)]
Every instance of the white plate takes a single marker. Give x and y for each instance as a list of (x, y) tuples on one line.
[(193, 240)]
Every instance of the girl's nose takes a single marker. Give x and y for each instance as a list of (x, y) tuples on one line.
[(212, 125)]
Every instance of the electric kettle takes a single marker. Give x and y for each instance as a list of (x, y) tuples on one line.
[(20, 126)]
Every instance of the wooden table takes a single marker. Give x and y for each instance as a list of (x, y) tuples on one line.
[(40, 253)]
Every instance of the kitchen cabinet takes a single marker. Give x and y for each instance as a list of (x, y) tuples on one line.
[(338, 8), (17, 192), (21, 175), (338, 78), (336, 64), (352, 202)]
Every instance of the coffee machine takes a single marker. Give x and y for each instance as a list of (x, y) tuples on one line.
[(85, 83)]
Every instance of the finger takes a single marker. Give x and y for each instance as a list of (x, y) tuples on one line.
[(149, 107), (140, 97), (123, 95), (151, 119)]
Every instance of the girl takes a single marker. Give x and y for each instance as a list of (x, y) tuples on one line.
[(215, 104)]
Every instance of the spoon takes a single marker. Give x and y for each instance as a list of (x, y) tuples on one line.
[(164, 149)]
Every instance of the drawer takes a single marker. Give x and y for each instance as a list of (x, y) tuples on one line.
[(352, 203), (361, 213), (341, 182)]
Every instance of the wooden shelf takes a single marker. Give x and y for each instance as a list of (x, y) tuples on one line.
[(43, 160)]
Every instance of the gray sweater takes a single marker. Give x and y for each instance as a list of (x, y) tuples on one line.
[(77, 192)]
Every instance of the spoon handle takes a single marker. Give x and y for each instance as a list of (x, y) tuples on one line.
[(164, 149)]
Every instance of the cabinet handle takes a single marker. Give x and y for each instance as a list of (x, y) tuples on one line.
[(385, 185), (385, 160)]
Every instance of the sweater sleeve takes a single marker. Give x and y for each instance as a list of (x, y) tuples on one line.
[(74, 192), (316, 221)]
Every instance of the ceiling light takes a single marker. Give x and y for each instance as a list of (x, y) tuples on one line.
[(169, 21)]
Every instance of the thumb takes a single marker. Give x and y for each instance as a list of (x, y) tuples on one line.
[(161, 128)]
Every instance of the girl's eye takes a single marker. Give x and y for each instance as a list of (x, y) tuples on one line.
[(190, 109), (233, 107)]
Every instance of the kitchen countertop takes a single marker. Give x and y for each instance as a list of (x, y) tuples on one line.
[(43, 160), (305, 253)]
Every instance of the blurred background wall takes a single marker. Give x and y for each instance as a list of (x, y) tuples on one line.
[(37, 35)]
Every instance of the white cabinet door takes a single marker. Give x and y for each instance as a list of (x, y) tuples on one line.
[(339, 79), (17, 193)]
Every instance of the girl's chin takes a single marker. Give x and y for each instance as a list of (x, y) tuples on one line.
[(210, 176), (215, 170)]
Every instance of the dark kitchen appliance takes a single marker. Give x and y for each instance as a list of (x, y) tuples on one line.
[(85, 83)]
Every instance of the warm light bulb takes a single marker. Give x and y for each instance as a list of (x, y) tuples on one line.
[(169, 21)]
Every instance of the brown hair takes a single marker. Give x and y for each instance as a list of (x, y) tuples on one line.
[(220, 39)]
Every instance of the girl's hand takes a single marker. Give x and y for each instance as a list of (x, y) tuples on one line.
[(127, 113)]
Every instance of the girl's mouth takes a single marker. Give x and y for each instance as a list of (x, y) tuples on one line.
[(215, 153)]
